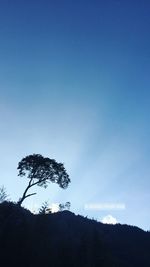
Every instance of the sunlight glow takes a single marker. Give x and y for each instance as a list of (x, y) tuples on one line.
[(54, 207), (109, 219)]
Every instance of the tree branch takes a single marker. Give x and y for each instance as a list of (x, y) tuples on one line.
[(38, 182), (30, 195)]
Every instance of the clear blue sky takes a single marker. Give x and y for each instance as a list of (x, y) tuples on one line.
[(75, 86)]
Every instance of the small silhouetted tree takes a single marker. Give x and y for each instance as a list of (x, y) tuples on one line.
[(65, 206), (61, 207), (45, 208), (40, 171), (3, 194)]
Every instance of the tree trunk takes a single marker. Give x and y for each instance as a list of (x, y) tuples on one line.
[(24, 196)]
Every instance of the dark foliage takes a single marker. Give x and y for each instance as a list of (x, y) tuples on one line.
[(3, 194), (65, 206), (65, 240), (45, 208)]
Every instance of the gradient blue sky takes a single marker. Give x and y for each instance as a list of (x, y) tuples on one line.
[(75, 86)]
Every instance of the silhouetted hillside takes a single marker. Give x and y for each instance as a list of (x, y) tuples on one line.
[(64, 239)]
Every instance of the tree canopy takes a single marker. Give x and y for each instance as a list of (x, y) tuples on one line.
[(40, 171)]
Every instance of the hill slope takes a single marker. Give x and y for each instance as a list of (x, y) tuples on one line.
[(64, 239)]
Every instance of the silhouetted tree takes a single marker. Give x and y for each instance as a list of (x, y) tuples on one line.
[(40, 171), (3, 194), (45, 208), (65, 206)]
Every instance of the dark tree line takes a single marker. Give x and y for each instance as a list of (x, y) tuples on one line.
[(64, 239)]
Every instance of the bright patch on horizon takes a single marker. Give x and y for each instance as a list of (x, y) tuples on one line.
[(109, 219), (54, 207)]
